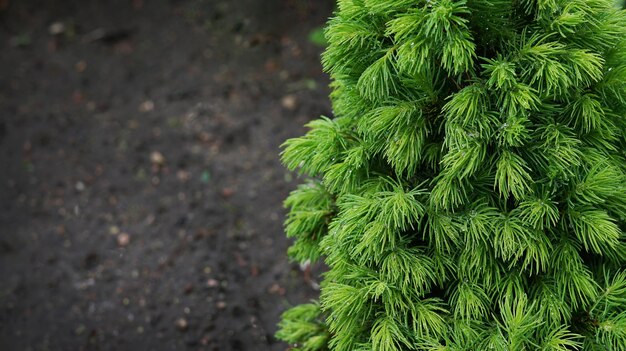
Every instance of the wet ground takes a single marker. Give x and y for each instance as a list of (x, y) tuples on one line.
[(140, 191)]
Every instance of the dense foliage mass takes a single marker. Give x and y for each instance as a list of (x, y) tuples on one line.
[(470, 192)]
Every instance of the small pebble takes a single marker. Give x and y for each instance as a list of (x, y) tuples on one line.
[(181, 324), (183, 175), (114, 230), (276, 289), (56, 28), (146, 106), (157, 158), (289, 102), (227, 192), (123, 239)]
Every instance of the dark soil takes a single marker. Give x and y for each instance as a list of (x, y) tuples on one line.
[(140, 189)]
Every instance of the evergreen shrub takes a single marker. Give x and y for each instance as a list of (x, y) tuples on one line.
[(470, 191)]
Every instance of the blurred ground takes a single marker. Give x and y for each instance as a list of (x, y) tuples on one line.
[(140, 190)]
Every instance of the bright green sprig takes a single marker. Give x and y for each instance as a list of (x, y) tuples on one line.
[(470, 192)]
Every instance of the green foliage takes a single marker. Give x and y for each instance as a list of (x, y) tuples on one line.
[(302, 324), (316, 36), (470, 192)]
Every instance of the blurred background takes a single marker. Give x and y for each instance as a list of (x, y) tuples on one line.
[(140, 187)]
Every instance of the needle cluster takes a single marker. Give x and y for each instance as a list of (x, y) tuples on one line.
[(470, 191)]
